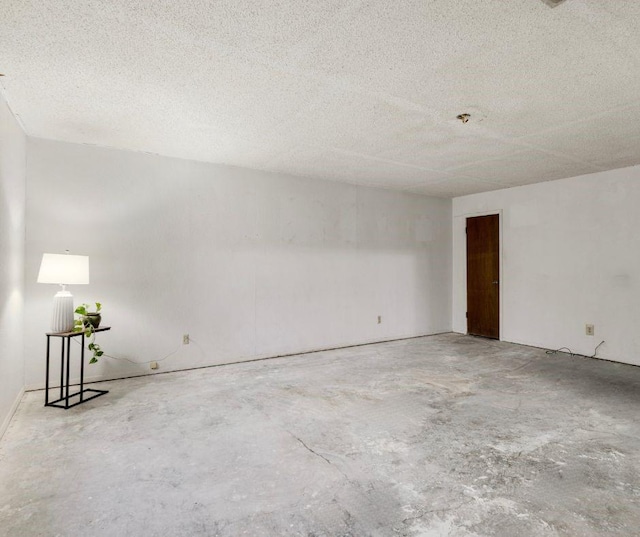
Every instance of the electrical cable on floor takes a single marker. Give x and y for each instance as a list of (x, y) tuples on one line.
[(143, 363), (105, 355), (596, 351), (571, 353)]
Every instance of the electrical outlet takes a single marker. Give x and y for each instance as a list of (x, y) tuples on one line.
[(185, 339), (379, 319), (590, 329), (153, 365)]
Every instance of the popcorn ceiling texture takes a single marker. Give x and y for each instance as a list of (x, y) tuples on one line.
[(365, 92)]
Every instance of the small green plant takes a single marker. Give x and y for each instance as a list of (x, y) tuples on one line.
[(82, 324)]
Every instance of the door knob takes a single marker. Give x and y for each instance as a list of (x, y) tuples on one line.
[(495, 283)]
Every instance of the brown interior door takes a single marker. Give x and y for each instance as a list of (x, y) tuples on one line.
[(483, 276)]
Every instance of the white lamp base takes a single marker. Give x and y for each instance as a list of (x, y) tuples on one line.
[(62, 318)]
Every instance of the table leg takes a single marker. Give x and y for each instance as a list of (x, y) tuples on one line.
[(62, 368), (68, 368), (46, 382), (82, 369)]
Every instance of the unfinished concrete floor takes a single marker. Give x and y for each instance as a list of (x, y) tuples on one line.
[(438, 436)]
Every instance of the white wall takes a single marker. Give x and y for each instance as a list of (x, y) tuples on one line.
[(571, 256), (250, 264), (12, 229)]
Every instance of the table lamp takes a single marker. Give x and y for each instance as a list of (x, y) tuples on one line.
[(63, 269)]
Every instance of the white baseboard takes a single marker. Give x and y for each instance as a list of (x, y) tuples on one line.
[(12, 411), (235, 360), (73, 381)]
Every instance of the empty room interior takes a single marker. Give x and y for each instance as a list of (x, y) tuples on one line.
[(319, 268)]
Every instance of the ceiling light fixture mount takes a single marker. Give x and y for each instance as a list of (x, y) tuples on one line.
[(464, 117)]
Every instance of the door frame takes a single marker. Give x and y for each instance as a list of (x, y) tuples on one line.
[(460, 267)]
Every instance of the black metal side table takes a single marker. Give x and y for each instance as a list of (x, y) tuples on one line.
[(65, 396)]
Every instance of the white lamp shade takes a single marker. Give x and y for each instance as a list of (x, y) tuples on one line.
[(64, 269)]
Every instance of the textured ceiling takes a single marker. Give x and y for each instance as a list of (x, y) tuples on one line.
[(363, 91)]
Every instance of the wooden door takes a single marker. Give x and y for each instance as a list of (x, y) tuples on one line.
[(483, 276)]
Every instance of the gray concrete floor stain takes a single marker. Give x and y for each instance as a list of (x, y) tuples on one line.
[(439, 436)]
